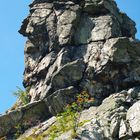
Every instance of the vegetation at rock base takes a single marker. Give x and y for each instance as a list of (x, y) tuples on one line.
[(68, 120), (18, 127), (22, 95), (22, 126)]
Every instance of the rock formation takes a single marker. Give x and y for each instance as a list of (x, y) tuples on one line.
[(75, 46)]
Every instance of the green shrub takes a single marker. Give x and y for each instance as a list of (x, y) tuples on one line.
[(69, 119), (22, 95), (19, 131)]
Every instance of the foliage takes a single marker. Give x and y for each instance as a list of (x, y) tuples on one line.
[(22, 95), (18, 129), (69, 119), (24, 125), (32, 138)]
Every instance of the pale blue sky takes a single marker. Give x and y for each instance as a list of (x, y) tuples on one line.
[(12, 13)]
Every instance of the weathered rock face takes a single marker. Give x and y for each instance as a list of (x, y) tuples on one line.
[(117, 118), (87, 45), (24, 117), (76, 46)]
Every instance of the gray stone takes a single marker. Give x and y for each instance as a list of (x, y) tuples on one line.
[(27, 116), (38, 129), (123, 129), (100, 6), (66, 22), (133, 116), (59, 99), (69, 74), (96, 29), (114, 126), (128, 26)]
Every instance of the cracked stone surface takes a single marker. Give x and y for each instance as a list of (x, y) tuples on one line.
[(74, 46), (83, 44), (133, 116), (117, 118)]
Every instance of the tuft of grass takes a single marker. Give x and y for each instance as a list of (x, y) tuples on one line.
[(22, 95), (68, 120)]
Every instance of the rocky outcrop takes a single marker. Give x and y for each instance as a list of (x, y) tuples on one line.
[(23, 118), (75, 46), (117, 118), (88, 45)]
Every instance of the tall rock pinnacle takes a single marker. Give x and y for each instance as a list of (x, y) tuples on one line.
[(78, 45), (81, 45)]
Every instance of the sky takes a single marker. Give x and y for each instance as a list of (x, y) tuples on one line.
[(12, 13)]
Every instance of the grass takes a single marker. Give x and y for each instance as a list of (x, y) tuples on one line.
[(66, 121), (22, 95)]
